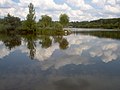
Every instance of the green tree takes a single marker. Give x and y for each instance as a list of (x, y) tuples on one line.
[(11, 22), (45, 21), (30, 23), (64, 19), (57, 26)]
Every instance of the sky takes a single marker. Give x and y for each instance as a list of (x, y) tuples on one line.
[(77, 10)]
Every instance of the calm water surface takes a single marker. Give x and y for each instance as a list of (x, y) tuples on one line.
[(75, 62)]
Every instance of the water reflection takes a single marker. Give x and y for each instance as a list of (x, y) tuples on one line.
[(85, 52), (113, 34), (45, 42), (82, 48), (74, 62), (42, 41), (11, 41)]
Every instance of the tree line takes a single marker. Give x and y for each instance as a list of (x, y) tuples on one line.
[(12, 23), (113, 23)]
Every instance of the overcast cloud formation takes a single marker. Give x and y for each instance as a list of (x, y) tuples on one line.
[(78, 10)]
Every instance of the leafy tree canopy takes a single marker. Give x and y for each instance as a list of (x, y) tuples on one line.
[(45, 21), (64, 19)]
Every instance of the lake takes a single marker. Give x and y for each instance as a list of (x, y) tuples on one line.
[(79, 61)]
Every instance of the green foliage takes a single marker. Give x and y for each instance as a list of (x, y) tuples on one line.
[(101, 23), (45, 21), (9, 23), (50, 32), (2, 27), (1, 20), (30, 23), (11, 20), (64, 19), (57, 26)]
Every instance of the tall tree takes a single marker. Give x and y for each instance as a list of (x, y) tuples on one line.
[(30, 22), (64, 19)]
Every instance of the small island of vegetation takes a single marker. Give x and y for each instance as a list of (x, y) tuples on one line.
[(45, 25)]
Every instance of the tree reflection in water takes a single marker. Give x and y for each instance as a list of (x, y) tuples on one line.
[(11, 41), (63, 43), (45, 41)]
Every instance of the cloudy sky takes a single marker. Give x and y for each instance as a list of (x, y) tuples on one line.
[(77, 10)]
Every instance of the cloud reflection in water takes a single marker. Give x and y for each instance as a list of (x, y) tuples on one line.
[(83, 49)]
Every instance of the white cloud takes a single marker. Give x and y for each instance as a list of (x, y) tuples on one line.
[(111, 2), (43, 54), (4, 51), (107, 52), (99, 3), (118, 2), (112, 9), (96, 52), (79, 3), (78, 10), (110, 46), (63, 61), (7, 3), (78, 50), (109, 56)]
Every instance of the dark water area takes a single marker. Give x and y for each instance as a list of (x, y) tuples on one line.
[(80, 61)]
